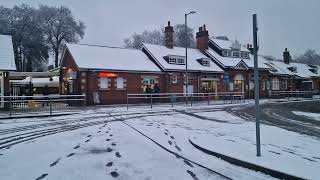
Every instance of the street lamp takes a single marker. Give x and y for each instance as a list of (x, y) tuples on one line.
[(186, 45)]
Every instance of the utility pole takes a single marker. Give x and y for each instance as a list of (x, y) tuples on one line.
[(256, 83), (186, 46)]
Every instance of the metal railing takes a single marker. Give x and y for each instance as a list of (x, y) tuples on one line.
[(190, 98), (294, 95), (34, 105)]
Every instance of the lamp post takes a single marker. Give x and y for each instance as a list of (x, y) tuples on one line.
[(186, 45)]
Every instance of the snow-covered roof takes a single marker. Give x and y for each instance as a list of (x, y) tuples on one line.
[(232, 62), (159, 52), (110, 58), (6, 53), (302, 70), (227, 44)]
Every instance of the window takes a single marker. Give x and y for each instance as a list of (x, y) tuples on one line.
[(235, 54), (120, 83), (229, 53), (175, 59), (174, 79), (244, 55), (224, 53), (275, 84), (205, 62), (104, 83)]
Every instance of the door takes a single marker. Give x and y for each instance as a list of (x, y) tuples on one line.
[(1, 90)]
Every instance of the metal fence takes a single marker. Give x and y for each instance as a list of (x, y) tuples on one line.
[(190, 99), (293, 95), (35, 105)]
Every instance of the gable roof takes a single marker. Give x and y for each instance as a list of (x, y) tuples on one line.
[(158, 52), (226, 44), (303, 70), (6, 53), (110, 58), (230, 62)]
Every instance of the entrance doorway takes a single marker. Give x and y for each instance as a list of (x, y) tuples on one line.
[(238, 83), (209, 86), (1, 90)]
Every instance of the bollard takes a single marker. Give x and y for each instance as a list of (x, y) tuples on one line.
[(208, 99), (191, 99), (151, 101)]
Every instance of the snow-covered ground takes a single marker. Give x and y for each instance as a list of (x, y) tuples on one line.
[(314, 116), (143, 143)]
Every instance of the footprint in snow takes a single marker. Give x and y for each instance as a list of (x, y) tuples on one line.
[(109, 164), (118, 154), (171, 137), (114, 174), (71, 154), (166, 133), (99, 132), (178, 148), (55, 162), (42, 176), (187, 163), (87, 140), (193, 175), (113, 144), (108, 139), (76, 147), (89, 136), (170, 142)]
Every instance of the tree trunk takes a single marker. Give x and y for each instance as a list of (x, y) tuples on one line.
[(56, 57)]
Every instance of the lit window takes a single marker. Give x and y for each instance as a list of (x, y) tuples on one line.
[(275, 84), (104, 83), (120, 83)]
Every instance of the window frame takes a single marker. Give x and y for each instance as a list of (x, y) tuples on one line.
[(102, 85)]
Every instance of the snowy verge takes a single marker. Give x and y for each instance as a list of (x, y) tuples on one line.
[(283, 151), (314, 116)]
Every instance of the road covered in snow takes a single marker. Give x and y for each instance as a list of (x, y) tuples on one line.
[(139, 143)]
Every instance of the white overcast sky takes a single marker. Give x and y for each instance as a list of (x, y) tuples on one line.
[(282, 23)]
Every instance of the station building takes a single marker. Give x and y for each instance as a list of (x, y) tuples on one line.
[(217, 65)]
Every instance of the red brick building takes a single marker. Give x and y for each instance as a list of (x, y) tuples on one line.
[(106, 74)]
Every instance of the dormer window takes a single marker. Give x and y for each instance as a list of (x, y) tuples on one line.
[(293, 69), (244, 55), (314, 70), (235, 54), (172, 59), (226, 53), (204, 62)]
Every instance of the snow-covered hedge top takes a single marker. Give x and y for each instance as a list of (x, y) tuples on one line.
[(158, 52), (109, 58), (6, 53)]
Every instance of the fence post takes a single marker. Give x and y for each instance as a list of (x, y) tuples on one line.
[(191, 99), (208, 99), (50, 106), (151, 101), (171, 100), (10, 107), (127, 102)]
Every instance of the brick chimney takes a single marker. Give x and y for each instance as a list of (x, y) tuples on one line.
[(286, 56), (168, 36), (202, 38)]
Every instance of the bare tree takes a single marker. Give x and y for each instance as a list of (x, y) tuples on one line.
[(157, 37), (60, 27), (309, 57)]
